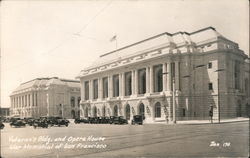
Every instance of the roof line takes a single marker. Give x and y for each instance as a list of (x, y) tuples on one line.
[(169, 34)]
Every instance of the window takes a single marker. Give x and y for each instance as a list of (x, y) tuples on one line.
[(128, 83), (210, 86), (116, 85), (142, 81), (183, 112), (78, 101), (105, 87), (72, 101), (127, 115), (115, 110), (237, 74), (94, 111), (158, 78), (157, 110), (209, 65), (86, 90), (95, 85)]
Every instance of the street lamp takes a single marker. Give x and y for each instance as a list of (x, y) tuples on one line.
[(173, 97), (218, 84)]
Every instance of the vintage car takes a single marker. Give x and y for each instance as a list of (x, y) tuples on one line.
[(137, 119), (17, 123), (80, 120), (61, 122), (1, 125), (119, 120), (40, 123)]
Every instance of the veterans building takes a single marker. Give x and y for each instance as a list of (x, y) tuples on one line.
[(170, 77), (46, 97)]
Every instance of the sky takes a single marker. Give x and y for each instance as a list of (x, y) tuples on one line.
[(42, 38)]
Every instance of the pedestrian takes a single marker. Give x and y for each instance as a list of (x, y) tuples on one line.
[(211, 113), (167, 119)]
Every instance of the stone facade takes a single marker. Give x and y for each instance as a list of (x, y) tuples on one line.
[(169, 77), (46, 97)]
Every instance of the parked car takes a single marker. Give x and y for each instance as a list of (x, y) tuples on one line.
[(17, 123), (119, 120), (1, 125), (137, 119), (61, 122), (80, 120), (40, 123)]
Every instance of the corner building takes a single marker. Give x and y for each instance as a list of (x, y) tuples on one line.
[(46, 97), (169, 77)]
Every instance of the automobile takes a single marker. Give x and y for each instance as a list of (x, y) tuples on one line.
[(119, 120), (17, 123), (137, 119), (40, 123), (1, 125), (80, 120), (61, 122), (111, 119)]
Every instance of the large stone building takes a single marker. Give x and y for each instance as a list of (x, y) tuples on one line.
[(46, 97), (169, 76)]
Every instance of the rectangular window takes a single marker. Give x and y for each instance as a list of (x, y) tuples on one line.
[(237, 74), (95, 85), (128, 83), (86, 90), (116, 85), (105, 87), (142, 81), (210, 86), (209, 65)]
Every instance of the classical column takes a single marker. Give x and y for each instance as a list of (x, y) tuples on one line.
[(177, 78), (151, 80), (147, 80), (169, 77), (90, 89), (133, 81), (100, 88), (164, 77), (120, 84), (136, 82), (123, 84), (110, 84), (82, 90)]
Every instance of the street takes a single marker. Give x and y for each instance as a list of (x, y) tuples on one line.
[(149, 140)]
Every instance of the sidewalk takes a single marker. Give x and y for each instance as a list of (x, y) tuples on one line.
[(190, 122)]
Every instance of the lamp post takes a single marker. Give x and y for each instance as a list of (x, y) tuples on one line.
[(173, 98), (218, 84), (174, 110)]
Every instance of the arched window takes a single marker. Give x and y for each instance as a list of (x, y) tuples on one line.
[(87, 112), (72, 101), (158, 78), (142, 110), (78, 114), (73, 115), (157, 110), (94, 111), (78, 101), (127, 114), (60, 113), (115, 110), (103, 111)]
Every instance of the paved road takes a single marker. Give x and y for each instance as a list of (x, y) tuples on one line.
[(207, 140)]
